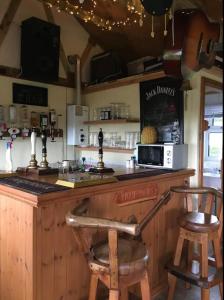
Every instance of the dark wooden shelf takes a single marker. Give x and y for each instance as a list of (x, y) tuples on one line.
[(117, 121), (105, 149), (123, 81)]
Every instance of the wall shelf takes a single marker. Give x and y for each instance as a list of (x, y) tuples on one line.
[(123, 81), (117, 121), (105, 149)]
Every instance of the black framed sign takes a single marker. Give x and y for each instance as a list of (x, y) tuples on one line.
[(29, 95), (161, 106)]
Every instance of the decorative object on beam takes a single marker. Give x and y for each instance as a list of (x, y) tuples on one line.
[(137, 10)]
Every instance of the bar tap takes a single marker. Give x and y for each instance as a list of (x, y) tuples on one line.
[(52, 121), (100, 164), (44, 163), (100, 168), (33, 162)]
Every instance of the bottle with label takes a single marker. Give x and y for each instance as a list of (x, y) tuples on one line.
[(43, 119)]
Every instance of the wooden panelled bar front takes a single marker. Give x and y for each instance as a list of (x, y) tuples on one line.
[(39, 258)]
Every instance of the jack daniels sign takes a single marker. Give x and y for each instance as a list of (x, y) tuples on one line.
[(161, 106)]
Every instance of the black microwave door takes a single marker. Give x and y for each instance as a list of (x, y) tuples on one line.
[(151, 155)]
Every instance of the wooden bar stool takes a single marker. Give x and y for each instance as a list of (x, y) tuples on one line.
[(199, 228), (122, 260)]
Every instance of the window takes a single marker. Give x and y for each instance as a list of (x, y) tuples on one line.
[(213, 139)]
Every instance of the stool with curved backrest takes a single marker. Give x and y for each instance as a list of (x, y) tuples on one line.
[(199, 228), (119, 262)]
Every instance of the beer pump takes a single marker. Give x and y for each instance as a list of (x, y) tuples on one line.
[(52, 121), (33, 161), (44, 124), (100, 168)]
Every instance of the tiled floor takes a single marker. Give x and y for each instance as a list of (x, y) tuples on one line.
[(193, 293), (182, 293)]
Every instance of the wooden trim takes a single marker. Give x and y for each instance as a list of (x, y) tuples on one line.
[(215, 84), (90, 44), (16, 73), (124, 81), (63, 56), (118, 121), (7, 19)]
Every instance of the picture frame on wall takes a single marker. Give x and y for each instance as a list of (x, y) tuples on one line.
[(162, 107)]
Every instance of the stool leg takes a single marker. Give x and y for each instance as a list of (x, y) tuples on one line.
[(93, 287), (124, 294), (218, 259), (145, 287), (204, 266), (189, 260), (114, 295), (205, 294), (171, 278)]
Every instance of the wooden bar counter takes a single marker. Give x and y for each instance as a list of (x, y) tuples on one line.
[(39, 259)]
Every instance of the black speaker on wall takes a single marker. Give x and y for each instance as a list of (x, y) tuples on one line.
[(40, 47)]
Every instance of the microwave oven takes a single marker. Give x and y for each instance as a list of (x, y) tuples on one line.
[(163, 156)]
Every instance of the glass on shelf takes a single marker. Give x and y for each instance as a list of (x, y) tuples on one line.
[(124, 111)]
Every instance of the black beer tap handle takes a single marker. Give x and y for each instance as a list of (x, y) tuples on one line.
[(100, 139), (44, 139)]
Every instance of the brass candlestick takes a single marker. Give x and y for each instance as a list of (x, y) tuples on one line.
[(44, 162)]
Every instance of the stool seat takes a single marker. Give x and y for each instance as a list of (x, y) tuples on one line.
[(199, 222), (132, 255)]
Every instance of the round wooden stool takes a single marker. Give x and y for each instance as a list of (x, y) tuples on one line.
[(120, 261), (200, 228)]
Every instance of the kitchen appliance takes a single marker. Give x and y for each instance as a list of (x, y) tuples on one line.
[(163, 156), (77, 131)]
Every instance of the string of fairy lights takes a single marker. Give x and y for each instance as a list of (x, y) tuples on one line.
[(135, 13)]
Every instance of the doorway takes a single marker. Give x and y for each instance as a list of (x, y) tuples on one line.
[(211, 134)]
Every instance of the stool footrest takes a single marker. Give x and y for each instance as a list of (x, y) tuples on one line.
[(181, 272)]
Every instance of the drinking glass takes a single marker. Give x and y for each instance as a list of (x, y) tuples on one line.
[(127, 140)]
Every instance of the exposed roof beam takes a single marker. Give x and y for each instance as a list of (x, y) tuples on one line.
[(7, 19)]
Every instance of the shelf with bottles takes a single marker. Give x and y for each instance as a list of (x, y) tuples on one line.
[(26, 132), (18, 121), (105, 149)]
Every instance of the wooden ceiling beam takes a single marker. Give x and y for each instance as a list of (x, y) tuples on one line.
[(63, 56), (90, 44), (7, 19)]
